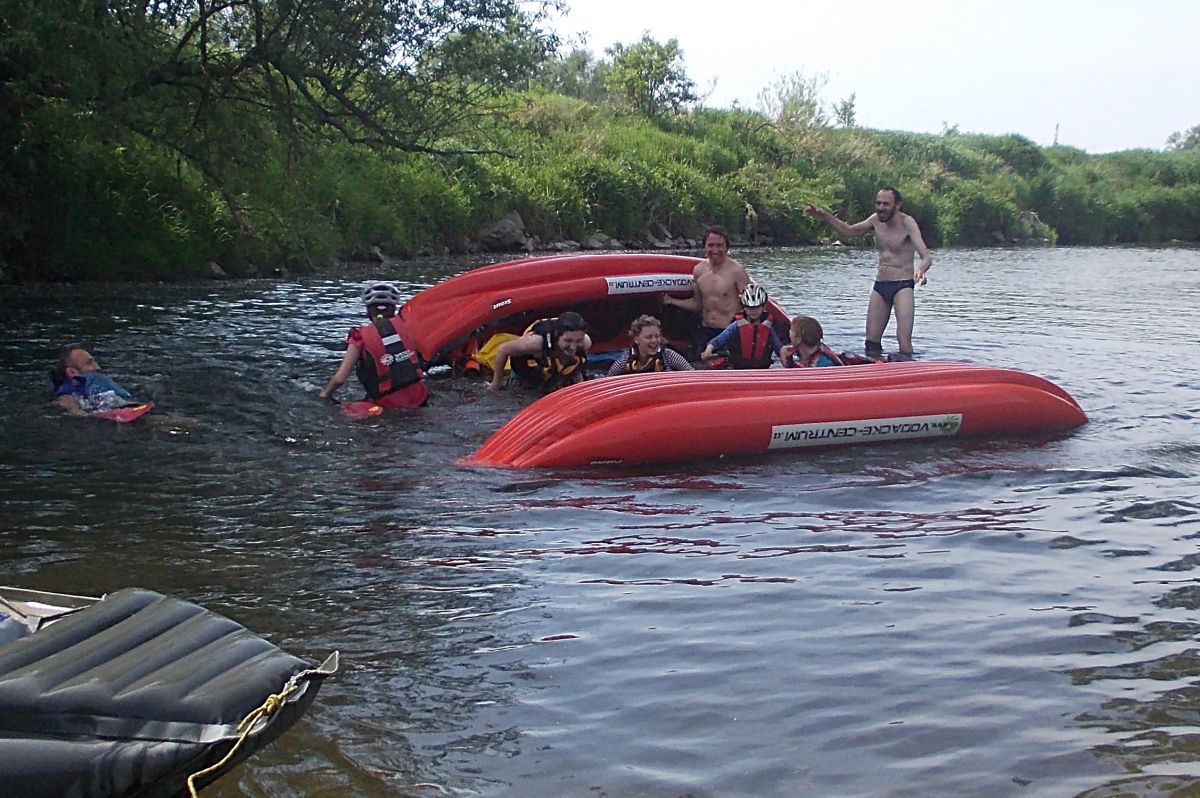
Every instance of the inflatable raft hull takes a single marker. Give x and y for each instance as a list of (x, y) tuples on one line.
[(446, 322), (679, 416), (131, 694)]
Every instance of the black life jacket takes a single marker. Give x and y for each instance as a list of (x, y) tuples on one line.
[(655, 362), (548, 371), (385, 363)]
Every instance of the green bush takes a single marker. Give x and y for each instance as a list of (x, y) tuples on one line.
[(113, 211), (78, 201)]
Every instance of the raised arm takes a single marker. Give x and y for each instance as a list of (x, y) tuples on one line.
[(848, 230)]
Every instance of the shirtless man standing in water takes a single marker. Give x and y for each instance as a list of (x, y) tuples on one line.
[(718, 284), (898, 238)]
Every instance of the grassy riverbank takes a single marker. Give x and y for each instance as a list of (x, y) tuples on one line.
[(91, 189)]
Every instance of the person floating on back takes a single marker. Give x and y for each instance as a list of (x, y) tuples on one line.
[(750, 340), (81, 388), (647, 352), (899, 239), (549, 355), (388, 370)]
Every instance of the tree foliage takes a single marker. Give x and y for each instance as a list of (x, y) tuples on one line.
[(1187, 140), (226, 86), (650, 76), (794, 101), (143, 139), (577, 74), (844, 112)]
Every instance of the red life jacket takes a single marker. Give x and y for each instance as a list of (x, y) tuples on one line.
[(385, 363), (753, 349), (811, 359)]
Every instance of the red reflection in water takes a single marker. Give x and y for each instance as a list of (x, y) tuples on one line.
[(644, 544), (697, 582), (621, 504)]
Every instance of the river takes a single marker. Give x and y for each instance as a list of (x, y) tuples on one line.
[(971, 618)]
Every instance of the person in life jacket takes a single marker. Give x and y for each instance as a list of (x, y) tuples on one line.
[(647, 352), (807, 349), (386, 367), (549, 355), (750, 340)]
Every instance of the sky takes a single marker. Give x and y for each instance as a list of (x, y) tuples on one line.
[(1102, 75)]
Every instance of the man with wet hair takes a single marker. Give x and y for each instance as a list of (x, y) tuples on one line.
[(81, 388), (899, 239), (718, 283)]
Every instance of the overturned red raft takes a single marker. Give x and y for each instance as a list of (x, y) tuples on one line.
[(675, 416)]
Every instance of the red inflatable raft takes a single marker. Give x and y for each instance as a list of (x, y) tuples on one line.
[(446, 322), (676, 416)]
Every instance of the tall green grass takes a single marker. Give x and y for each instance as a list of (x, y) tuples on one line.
[(85, 204)]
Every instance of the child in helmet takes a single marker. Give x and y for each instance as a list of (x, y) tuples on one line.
[(387, 369), (750, 340), (549, 355)]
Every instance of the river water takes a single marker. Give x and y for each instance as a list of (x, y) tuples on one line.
[(967, 618)]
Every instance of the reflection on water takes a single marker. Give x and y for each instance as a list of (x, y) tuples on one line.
[(991, 617)]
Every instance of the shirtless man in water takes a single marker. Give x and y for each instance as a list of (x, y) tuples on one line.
[(898, 239), (718, 284)]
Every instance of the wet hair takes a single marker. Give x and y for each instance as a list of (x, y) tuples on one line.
[(716, 230), (569, 322), (895, 194), (642, 322), (807, 330), (58, 374)]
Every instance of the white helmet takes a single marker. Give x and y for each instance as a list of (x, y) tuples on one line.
[(754, 295), (380, 294)]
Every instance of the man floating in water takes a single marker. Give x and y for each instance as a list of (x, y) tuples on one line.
[(81, 388)]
